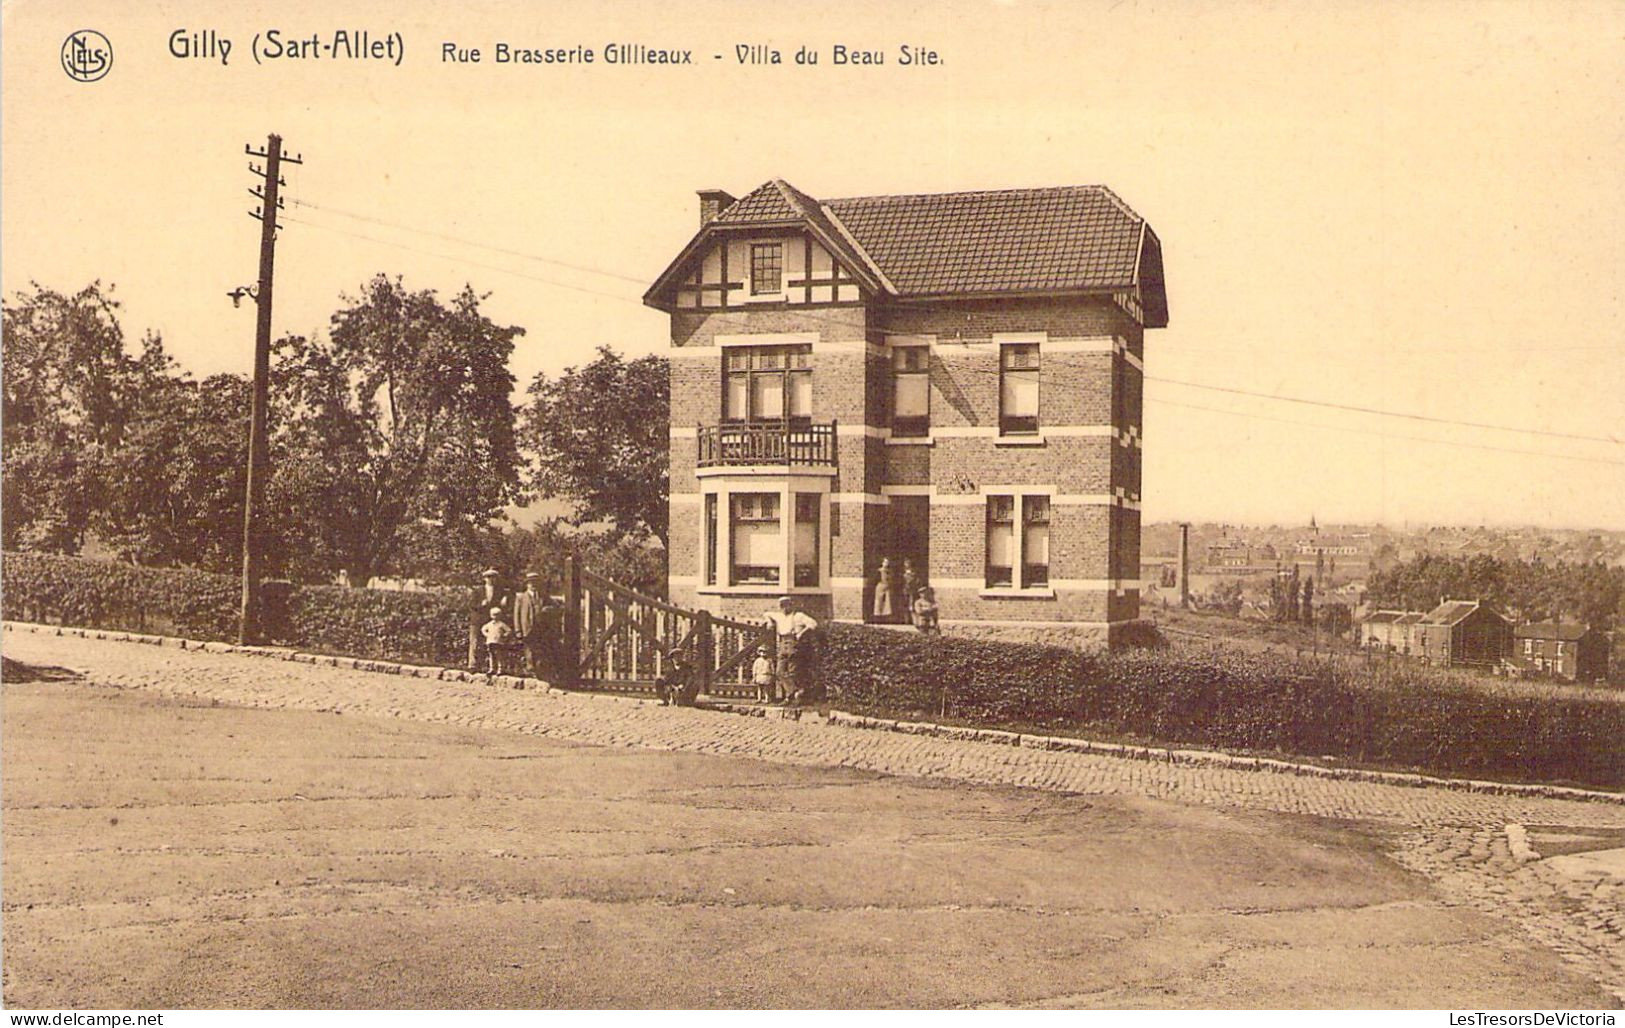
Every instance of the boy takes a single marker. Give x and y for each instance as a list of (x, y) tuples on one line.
[(925, 611), (761, 674), (676, 685), (495, 632)]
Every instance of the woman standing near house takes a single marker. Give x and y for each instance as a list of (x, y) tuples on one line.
[(885, 586)]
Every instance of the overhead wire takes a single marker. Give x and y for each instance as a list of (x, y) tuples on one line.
[(820, 316)]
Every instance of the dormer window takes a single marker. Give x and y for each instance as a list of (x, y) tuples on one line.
[(766, 269)]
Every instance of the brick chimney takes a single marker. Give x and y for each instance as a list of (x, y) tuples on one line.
[(712, 203)]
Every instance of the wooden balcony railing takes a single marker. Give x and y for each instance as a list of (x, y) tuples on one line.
[(794, 444)]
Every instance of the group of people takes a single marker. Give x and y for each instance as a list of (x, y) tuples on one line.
[(513, 631), (781, 674), (523, 631), (904, 596)]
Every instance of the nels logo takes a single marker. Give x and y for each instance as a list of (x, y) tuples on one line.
[(86, 55)]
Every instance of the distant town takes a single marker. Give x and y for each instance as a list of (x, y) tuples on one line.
[(1239, 570)]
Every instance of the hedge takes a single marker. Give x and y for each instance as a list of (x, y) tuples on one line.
[(104, 594), (1255, 702), (1402, 716), (427, 628)]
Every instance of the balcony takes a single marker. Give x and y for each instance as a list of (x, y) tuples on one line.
[(776, 443)]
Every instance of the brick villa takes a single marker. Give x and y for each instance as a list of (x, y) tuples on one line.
[(951, 380)]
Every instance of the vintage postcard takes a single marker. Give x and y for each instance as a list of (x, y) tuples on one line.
[(995, 505)]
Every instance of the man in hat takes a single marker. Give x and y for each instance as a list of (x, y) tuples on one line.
[(528, 625), (791, 626), (489, 593)]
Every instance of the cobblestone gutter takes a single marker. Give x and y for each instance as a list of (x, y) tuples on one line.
[(998, 737)]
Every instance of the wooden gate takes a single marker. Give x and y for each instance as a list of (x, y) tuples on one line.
[(617, 639)]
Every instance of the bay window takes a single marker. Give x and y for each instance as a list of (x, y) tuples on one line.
[(807, 528), (764, 535), (757, 539)]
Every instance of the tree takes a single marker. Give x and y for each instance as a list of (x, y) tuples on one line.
[(600, 440), (397, 436), (1306, 606), (174, 490), (71, 390), (1336, 619), (1226, 596), (547, 546)]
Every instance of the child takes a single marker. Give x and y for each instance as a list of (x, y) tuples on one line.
[(495, 632), (761, 674), (675, 686), (925, 611)]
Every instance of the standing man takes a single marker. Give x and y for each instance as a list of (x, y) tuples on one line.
[(527, 622), (790, 625), (490, 593)]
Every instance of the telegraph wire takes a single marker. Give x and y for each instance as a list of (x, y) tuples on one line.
[(1384, 413), (588, 269), (1383, 435), (461, 260), (819, 316)]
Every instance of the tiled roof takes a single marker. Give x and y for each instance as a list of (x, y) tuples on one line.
[(765, 203), (1449, 612), (1060, 239), (1568, 631), (1383, 617), (1074, 237)]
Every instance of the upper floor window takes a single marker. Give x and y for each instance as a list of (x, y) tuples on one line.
[(911, 391), (1018, 389), (767, 383), (766, 268)]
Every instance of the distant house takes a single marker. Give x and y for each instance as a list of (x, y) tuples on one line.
[(1566, 650), (1462, 633), (1388, 630)]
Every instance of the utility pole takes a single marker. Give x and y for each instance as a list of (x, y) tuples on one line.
[(248, 627)]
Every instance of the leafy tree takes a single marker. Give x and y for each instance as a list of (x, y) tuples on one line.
[(547, 546), (397, 436), (71, 390), (174, 490), (1226, 596), (1336, 619), (1306, 606), (600, 438)]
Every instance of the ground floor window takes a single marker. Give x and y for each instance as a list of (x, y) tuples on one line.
[(1017, 540), (762, 533), (710, 538), (757, 537), (808, 506)]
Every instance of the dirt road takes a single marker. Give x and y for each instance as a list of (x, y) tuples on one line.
[(173, 853)]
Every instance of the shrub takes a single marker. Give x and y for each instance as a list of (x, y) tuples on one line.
[(1259, 701), (399, 626), (423, 628), (104, 594)]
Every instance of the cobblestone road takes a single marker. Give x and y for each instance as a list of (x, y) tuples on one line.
[(1458, 839)]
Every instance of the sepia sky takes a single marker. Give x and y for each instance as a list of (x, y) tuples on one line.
[(1414, 207)]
